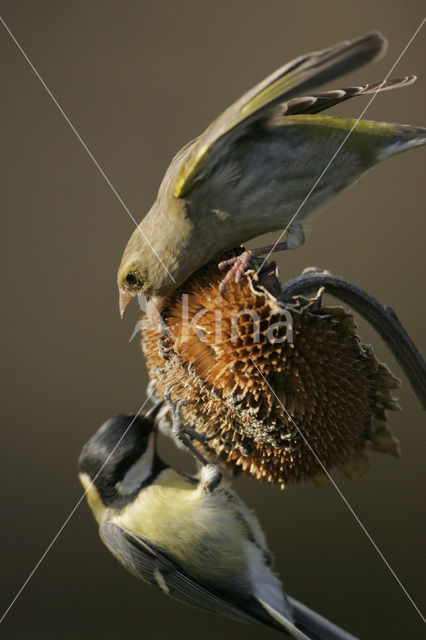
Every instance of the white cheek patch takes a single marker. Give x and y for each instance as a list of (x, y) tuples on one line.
[(86, 481), (139, 472)]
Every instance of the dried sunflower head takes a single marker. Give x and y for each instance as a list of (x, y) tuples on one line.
[(285, 391)]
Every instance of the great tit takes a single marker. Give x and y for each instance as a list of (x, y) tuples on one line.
[(191, 537), (269, 162)]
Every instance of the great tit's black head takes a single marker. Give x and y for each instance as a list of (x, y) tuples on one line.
[(120, 457)]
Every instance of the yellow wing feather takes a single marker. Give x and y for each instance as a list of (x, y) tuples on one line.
[(303, 73)]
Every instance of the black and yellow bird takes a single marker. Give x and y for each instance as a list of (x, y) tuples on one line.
[(192, 537)]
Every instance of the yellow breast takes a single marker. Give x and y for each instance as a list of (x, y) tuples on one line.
[(194, 528)]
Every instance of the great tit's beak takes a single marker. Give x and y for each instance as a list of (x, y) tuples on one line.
[(123, 300), (152, 413)]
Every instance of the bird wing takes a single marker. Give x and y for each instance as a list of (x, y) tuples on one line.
[(302, 74), (319, 101), (285, 171), (148, 562)]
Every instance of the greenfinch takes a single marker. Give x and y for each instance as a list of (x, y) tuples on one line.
[(269, 162)]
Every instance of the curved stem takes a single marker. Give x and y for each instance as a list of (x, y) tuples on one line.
[(381, 317)]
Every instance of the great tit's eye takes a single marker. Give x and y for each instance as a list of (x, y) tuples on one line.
[(131, 279)]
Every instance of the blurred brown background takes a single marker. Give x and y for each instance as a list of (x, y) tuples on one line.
[(138, 80)]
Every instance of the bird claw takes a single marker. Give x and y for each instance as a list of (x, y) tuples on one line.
[(239, 266), (210, 478), (202, 438), (181, 433), (241, 262)]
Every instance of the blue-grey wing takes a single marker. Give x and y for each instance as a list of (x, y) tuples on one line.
[(146, 561), (149, 563)]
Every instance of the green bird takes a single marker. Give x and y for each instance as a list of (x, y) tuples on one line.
[(269, 162)]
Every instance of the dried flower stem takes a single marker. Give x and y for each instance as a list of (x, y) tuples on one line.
[(382, 318)]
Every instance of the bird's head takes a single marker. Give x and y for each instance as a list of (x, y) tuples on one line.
[(132, 280), (119, 459), (147, 260), (133, 272)]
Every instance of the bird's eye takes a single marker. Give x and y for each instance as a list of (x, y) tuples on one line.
[(131, 279)]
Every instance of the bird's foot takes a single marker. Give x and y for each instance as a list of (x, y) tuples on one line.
[(202, 438), (210, 478), (239, 266), (241, 262), (180, 432)]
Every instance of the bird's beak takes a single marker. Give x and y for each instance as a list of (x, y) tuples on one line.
[(155, 409), (123, 300)]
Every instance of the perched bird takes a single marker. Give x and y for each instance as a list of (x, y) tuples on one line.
[(252, 169), (192, 537)]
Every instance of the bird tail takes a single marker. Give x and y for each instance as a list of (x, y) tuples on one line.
[(306, 624), (314, 625), (403, 137)]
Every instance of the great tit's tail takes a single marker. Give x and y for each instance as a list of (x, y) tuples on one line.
[(305, 623), (314, 625)]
